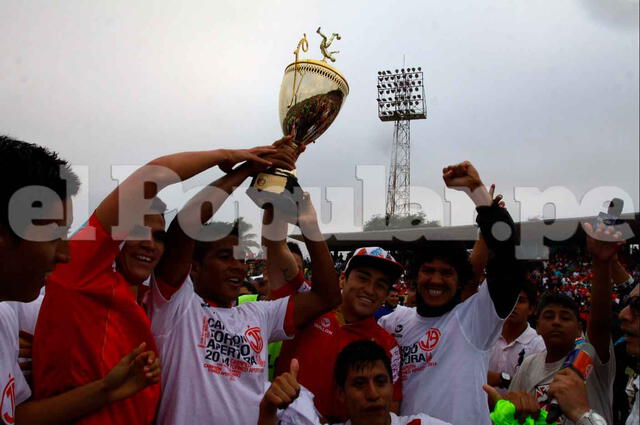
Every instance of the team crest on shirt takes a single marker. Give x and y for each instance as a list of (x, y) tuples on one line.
[(397, 331), (8, 404), (254, 337), (324, 325), (541, 394), (430, 340)]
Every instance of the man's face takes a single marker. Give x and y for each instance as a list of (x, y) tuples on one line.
[(367, 394), (220, 275), (25, 263), (522, 310), (392, 298), (630, 318), (437, 283), (364, 291), (558, 326), (138, 258)]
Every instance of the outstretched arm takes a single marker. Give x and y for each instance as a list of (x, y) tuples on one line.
[(498, 231), (281, 264), (133, 373), (325, 292), (176, 260), (139, 189), (603, 243)]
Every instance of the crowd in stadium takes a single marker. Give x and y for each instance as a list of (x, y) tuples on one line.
[(133, 320)]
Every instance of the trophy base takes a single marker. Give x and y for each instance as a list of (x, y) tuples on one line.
[(276, 187)]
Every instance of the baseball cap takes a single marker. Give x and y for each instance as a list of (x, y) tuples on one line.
[(377, 257)]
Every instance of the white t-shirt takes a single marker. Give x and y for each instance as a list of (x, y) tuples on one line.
[(535, 376), (506, 357), (12, 383), (214, 360), (28, 313), (634, 415), (445, 359), (303, 412)]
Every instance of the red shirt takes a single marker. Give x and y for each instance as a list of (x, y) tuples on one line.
[(317, 346), (88, 321)]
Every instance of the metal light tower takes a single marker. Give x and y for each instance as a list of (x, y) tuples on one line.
[(400, 99)]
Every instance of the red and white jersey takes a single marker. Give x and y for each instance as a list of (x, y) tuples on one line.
[(214, 359), (445, 359), (317, 346), (12, 383), (302, 412)]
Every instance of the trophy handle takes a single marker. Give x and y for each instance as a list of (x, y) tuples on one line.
[(304, 44)]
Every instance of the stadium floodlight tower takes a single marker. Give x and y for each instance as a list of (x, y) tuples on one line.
[(400, 99)]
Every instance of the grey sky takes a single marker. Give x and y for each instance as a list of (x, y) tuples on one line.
[(535, 93)]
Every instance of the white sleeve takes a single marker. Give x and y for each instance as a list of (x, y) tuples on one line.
[(11, 372), (272, 316), (23, 392), (28, 314), (301, 412), (386, 322), (166, 313), (479, 320)]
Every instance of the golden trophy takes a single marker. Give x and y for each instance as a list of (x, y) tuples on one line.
[(311, 95)]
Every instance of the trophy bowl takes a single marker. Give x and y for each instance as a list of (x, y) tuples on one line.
[(311, 95)]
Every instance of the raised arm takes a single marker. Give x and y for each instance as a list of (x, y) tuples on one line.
[(498, 231), (177, 257), (603, 244), (133, 373), (281, 264), (136, 193), (325, 292)]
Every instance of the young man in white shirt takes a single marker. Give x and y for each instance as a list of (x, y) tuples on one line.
[(445, 342), (559, 327), (517, 340), (364, 377), (214, 353)]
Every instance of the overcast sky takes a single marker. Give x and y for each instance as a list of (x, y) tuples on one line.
[(535, 94)]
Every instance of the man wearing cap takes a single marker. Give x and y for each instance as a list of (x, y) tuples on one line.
[(365, 283)]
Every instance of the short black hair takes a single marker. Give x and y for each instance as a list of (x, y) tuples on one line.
[(212, 233), (553, 298), (394, 289), (359, 355), (530, 291), (295, 248), (454, 254), (26, 164)]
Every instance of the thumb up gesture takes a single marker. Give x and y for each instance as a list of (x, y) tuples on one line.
[(284, 389)]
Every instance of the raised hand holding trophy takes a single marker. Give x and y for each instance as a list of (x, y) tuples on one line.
[(311, 95)]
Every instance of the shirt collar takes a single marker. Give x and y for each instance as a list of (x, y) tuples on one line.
[(527, 336)]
